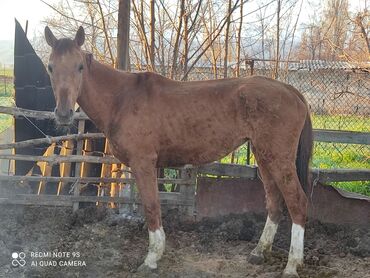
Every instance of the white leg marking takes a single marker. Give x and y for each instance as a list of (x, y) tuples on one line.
[(296, 250), (267, 238), (157, 241)]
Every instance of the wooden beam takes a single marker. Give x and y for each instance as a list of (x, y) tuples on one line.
[(86, 179), (57, 159), (123, 35), (50, 140), (231, 170), (166, 198), (45, 169), (338, 136), (65, 168), (41, 115), (338, 175)]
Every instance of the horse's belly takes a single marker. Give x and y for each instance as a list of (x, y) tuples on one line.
[(205, 152)]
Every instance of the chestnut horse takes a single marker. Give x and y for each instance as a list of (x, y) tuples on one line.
[(151, 121)]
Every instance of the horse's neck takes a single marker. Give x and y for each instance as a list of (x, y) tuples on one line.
[(100, 89)]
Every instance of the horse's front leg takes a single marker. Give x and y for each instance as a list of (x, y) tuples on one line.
[(146, 180)]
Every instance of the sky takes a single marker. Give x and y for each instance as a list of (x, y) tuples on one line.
[(35, 11), (32, 10)]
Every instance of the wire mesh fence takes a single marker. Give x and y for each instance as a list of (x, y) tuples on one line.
[(339, 97)]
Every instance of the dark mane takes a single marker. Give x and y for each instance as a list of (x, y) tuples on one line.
[(63, 46)]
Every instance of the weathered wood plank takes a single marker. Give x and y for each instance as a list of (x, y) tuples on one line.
[(325, 175), (166, 198), (50, 140), (337, 175), (78, 166), (41, 115), (231, 170), (87, 179), (345, 137), (57, 159)]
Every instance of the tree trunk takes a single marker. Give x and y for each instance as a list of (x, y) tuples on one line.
[(176, 46), (276, 74), (239, 41), (226, 55), (186, 43), (152, 33)]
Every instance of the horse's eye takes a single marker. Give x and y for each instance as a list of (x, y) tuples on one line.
[(80, 67), (50, 68)]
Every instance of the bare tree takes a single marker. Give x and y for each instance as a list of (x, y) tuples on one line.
[(152, 34), (178, 32), (277, 55), (226, 55)]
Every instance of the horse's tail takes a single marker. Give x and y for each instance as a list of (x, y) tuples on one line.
[(304, 153)]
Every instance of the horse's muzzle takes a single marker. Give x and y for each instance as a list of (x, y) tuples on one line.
[(64, 117)]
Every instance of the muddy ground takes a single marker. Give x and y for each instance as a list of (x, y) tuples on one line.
[(112, 246)]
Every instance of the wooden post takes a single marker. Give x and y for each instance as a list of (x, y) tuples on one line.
[(123, 36), (45, 169), (76, 190), (65, 168), (188, 191), (123, 58)]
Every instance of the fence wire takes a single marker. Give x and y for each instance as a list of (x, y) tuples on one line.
[(339, 97)]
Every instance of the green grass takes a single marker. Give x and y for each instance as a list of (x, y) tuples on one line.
[(361, 187), (7, 71), (6, 120), (6, 96), (332, 155), (341, 122)]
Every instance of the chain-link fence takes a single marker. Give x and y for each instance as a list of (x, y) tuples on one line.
[(339, 98)]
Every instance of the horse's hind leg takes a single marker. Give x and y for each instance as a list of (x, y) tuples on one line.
[(286, 178), (274, 208)]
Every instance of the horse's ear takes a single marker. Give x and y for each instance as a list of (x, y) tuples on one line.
[(49, 36), (80, 36)]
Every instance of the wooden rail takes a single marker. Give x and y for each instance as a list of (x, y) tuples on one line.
[(323, 175), (174, 199), (57, 159), (40, 115), (230, 170), (50, 140), (88, 179), (340, 175), (339, 136)]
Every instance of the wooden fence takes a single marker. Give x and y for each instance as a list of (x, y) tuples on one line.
[(184, 198)]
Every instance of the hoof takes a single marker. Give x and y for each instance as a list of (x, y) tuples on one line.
[(147, 271), (255, 259), (289, 275)]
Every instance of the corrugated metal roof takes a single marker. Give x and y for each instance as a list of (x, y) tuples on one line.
[(307, 65), (321, 64)]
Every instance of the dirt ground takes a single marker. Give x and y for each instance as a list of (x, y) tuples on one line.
[(108, 245)]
